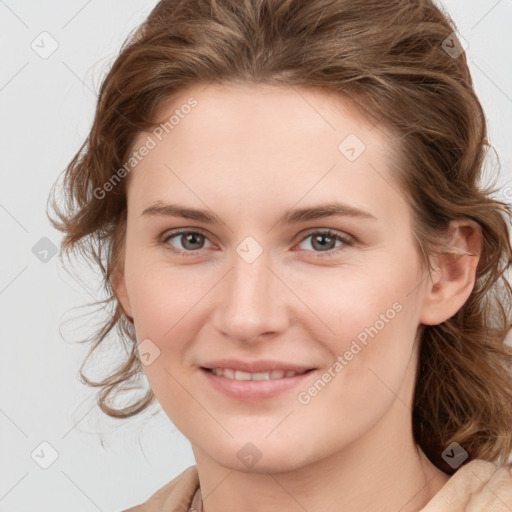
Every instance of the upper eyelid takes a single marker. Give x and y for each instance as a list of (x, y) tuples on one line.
[(183, 231)]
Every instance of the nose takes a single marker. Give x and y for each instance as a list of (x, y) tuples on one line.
[(251, 301)]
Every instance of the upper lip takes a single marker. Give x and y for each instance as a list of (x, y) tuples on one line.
[(261, 365)]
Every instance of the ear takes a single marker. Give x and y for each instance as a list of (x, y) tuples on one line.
[(450, 285), (119, 287)]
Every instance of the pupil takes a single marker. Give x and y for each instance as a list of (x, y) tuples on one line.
[(191, 236), (320, 237)]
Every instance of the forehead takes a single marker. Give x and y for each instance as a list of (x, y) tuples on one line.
[(264, 114), (264, 144)]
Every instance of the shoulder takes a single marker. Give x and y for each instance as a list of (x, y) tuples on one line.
[(479, 486), (175, 496)]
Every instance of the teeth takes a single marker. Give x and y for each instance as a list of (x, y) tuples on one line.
[(239, 375)]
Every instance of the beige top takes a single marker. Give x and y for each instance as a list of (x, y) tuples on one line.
[(476, 486)]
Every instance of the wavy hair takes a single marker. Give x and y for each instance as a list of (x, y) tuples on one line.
[(399, 62)]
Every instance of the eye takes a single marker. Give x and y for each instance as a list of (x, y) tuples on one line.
[(192, 241), (325, 241)]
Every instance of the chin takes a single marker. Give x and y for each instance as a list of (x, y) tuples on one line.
[(247, 457), (274, 465)]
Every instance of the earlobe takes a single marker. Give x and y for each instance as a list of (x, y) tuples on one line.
[(119, 289), (453, 279)]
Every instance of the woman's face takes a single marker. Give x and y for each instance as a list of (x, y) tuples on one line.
[(256, 278)]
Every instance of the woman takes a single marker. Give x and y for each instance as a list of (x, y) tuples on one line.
[(285, 200)]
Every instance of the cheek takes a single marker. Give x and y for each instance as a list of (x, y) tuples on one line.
[(371, 357), (372, 320), (163, 297), (163, 307), (347, 303), (168, 305)]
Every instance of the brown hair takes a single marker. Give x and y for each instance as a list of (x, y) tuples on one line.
[(399, 60)]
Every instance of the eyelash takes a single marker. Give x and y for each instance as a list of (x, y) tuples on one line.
[(347, 241)]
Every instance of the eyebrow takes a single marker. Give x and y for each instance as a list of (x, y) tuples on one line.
[(292, 216)]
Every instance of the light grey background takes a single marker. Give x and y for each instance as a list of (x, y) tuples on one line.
[(47, 107)]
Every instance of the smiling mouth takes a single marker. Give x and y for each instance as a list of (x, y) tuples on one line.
[(241, 375)]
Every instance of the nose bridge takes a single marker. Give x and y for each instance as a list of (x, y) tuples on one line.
[(250, 302)]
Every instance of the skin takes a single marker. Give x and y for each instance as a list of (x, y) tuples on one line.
[(249, 153)]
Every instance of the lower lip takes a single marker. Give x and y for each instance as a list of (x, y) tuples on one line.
[(254, 389)]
